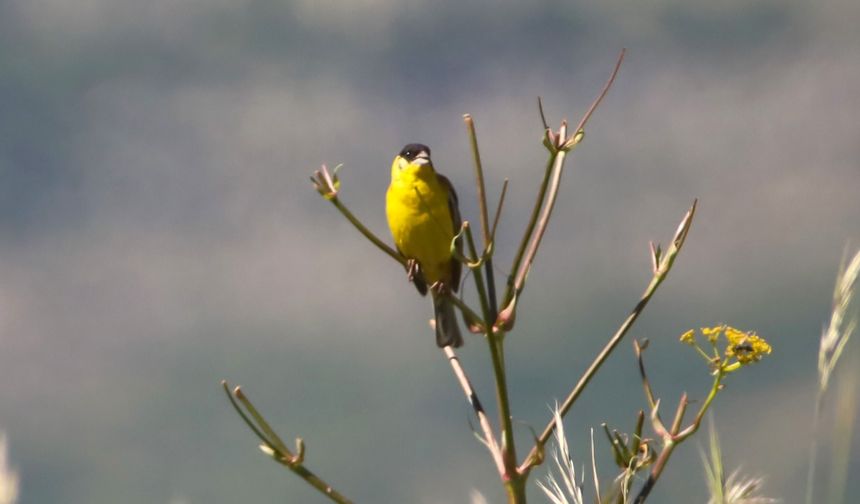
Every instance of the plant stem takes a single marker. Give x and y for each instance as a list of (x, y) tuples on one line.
[(479, 177), (494, 341), (521, 251), (516, 490), (484, 214), (367, 233), (315, 481), (275, 447), (656, 471), (691, 429), (557, 170), (489, 317), (596, 102), (483, 419), (509, 453)]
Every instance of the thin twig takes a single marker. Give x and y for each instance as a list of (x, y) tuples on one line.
[(649, 394), (542, 116), (557, 170), (479, 283), (498, 211), (242, 414), (605, 90), (489, 437), (679, 414), (274, 440), (479, 178), (510, 293), (328, 185), (485, 218), (367, 233), (275, 447), (653, 405)]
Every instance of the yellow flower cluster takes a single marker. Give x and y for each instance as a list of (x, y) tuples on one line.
[(742, 347), (745, 347)]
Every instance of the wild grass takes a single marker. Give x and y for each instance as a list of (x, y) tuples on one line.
[(834, 338)]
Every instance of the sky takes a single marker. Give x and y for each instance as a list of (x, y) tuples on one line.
[(158, 233)]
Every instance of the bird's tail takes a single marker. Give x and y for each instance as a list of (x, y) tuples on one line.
[(447, 330)]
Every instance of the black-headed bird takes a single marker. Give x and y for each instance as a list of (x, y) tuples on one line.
[(424, 217)]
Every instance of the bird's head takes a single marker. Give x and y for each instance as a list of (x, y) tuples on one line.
[(414, 154)]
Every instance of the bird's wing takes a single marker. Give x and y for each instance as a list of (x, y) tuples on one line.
[(457, 222)]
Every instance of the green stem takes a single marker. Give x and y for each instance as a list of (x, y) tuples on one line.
[(516, 490), (367, 233), (490, 249), (509, 453), (494, 341), (316, 482), (279, 451), (715, 388), (485, 218), (543, 222), (489, 318), (479, 177), (690, 430), (524, 243)]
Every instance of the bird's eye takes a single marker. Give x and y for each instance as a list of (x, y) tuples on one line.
[(409, 154)]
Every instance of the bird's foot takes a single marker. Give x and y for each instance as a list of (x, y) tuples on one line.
[(412, 269), (440, 288)]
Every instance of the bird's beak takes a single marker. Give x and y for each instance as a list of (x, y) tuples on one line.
[(422, 158)]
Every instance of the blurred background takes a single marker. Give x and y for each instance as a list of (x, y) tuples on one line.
[(158, 233)]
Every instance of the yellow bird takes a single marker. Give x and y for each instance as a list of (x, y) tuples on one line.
[(423, 215)]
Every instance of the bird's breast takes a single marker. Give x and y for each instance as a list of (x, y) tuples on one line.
[(420, 224)]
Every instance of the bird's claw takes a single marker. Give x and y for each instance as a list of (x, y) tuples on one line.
[(412, 269), (439, 288)]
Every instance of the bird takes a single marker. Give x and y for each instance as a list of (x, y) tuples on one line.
[(424, 216)]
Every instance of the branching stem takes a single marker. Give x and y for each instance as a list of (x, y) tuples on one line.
[(659, 275), (275, 447)]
